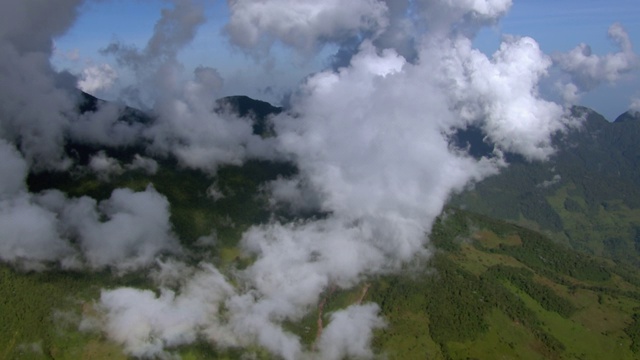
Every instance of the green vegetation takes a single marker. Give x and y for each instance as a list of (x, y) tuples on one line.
[(522, 278), (40, 314), (538, 309), (633, 330), (586, 196)]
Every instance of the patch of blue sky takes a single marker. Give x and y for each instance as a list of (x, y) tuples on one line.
[(557, 25), (560, 25)]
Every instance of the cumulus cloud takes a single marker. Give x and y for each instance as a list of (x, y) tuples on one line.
[(349, 333), (588, 70), (97, 78), (635, 104), (295, 194), (445, 16), (13, 169), (185, 125), (176, 27), (135, 232), (188, 128), (125, 232), (34, 105), (303, 25), (29, 235), (372, 141), (106, 125), (400, 34), (104, 166), (145, 164), (500, 94), (548, 183), (28, 232), (145, 323)]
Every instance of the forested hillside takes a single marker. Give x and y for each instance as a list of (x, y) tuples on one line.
[(587, 195)]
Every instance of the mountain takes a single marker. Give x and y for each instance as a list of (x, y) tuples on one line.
[(586, 196), (630, 115), (90, 103), (492, 289), (257, 110)]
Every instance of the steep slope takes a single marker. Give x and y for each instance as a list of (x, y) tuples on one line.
[(587, 196), (630, 115), (257, 110), (500, 291)]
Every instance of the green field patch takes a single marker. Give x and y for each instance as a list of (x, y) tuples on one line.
[(229, 255), (407, 333), (406, 336), (504, 339), (478, 261), (489, 240), (600, 314), (40, 314), (579, 340), (607, 228)]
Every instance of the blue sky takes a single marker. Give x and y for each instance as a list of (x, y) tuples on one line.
[(557, 25)]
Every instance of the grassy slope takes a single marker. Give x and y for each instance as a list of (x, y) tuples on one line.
[(487, 315)]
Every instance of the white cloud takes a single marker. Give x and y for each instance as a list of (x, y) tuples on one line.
[(146, 164), (547, 183), (145, 323), (442, 16), (588, 70), (104, 166), (176, 28), (30, 237), (104, 126), (635, 104), (302, 24), (185, 125), (97, 78), (28, 232), (34, 106), (501, 94), (349, 333), (135, 232), (13, 170), (44, 229)]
